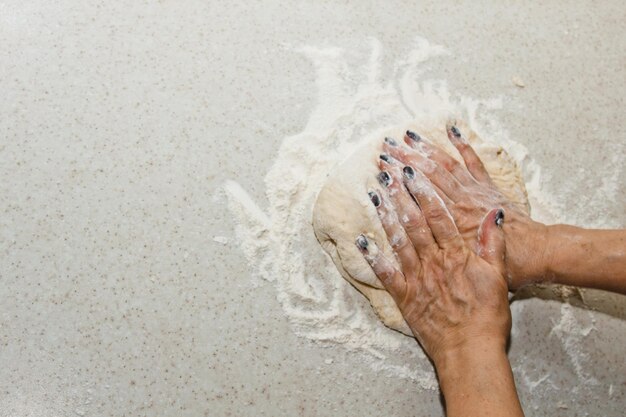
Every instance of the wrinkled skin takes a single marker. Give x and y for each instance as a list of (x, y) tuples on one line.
[(449, 295), (469, 193)]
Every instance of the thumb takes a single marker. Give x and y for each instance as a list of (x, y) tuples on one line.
[(491, 246)]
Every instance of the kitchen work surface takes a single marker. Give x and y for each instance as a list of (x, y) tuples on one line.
[(159, 162)]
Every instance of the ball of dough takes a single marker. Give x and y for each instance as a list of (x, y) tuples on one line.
[(343, 210)]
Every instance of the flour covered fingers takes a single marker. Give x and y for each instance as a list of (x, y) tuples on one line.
[(439, 176), (437, 216), (392, 279), (397, 236), (439, 156), (407, 211), (472, 161)]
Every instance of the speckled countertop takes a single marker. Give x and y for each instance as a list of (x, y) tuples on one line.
[(118, 121)]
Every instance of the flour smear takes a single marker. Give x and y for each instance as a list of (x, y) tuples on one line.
[(278, 240)]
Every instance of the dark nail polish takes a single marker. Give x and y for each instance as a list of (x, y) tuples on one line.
[(385, 157), (455, 131), (362, 243), (375, 198), (408, 172), (413, 136), (384, 179), (499, 217), (391, 142)]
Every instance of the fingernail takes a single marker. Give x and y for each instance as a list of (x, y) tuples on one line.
[(362, 243), (385, 157), (391, 142), (455, 131), (408, 172), (384, 179), (375, 198), (499, 217), (413, 136)]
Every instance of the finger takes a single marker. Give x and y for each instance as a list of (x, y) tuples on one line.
[(407, 210), (472, 161), (443, 158), (391, 278), (396, 235), (434, 210), (446, 200), (435, 172), (491, 245), (393, 166)]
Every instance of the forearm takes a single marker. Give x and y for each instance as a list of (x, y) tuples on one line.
[(478, 382), (587, 258), (565, 255)]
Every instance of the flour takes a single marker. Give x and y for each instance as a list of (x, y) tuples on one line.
[(278, 240), (571, 333), (221, 239)]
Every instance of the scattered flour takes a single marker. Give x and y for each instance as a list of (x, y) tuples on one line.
[(571, 333), (220, 239), (278, 240)]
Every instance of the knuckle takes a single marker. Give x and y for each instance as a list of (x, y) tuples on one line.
[(429, 168), (464, 146), (452, 164), (383, 272), (390, 280), (428, 252), (399, 241), (455, 258), (436, 214), (385, 214), (413, 224), (386, 278), (439, 170), (479, 166), (451, 185)]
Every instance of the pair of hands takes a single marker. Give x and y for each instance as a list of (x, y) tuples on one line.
[(444, 221), (446, 224)]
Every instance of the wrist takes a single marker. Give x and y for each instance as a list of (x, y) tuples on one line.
[(527, 250), (476, 380), (455, 358)]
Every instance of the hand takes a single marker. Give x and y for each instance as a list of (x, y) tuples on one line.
[(451, 296), (453, 299), (469, 193)]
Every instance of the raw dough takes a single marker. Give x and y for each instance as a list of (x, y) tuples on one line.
[(343, 210)]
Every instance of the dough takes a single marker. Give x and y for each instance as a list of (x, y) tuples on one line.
[(343, 210)]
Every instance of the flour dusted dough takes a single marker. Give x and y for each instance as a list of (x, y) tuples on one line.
[(343, 210)]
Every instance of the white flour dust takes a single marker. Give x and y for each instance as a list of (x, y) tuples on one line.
[(278, 240), (570, 331)]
